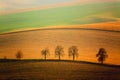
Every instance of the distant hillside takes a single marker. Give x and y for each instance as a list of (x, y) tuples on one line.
[(69, 15)]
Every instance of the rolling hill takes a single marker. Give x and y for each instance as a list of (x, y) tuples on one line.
[(59, 16), (56, 70)]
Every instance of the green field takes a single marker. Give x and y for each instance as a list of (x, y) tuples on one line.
[(70, 15)]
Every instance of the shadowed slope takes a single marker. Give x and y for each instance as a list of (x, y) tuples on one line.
[(53, 70)]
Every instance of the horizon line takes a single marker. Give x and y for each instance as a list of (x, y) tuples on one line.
[(14, 32)]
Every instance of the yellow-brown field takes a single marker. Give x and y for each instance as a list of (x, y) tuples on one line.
[(88, 42)]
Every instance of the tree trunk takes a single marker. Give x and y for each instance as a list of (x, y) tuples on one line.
[(45, 57), (19, 58), (73, 57), (59, 57), (101, 62)]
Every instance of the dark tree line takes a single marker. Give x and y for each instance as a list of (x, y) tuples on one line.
[(72, 52)]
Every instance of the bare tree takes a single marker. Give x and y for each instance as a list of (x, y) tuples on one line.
[(45, 52), (59, 51), (19, 55), (102, 55), (73, 51)]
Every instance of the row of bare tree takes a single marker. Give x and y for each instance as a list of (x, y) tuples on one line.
[(59, 51), (72, 51)]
